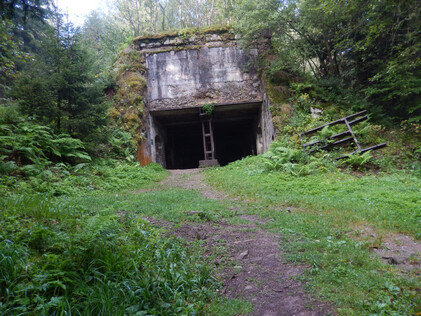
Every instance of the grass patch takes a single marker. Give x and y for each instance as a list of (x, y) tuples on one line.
[(229, 307), (171, 205), (101, 176), (387, 201), (315, 233), (89, 252)]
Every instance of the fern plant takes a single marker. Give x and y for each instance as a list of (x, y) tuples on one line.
[(208, 108), (357, 160), (32, 147), (283, 159), (323, 135)]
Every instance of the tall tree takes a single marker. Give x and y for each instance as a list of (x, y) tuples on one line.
[(58, 85), (373, 46), (103, 36), (149, 16), (20, 21)]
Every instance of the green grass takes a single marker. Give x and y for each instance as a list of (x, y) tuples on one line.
[(89, 252), (171, 205), (100, 176), (317, 232), (387, 201), (226, 307)]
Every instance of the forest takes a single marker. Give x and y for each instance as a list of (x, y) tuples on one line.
[(86, 230)]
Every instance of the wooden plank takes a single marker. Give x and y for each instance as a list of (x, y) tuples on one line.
[(341, 120), (211, 137), (339, 134), (204, 139), (358, 120), (330, 138), (375, 147), (208, 141), (339, 142), (353, 135)]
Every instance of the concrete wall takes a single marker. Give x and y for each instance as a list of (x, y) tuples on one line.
[(189, 78), (156, 141), (189, 71), (265, 130)]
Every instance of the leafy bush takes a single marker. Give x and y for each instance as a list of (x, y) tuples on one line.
[(32, 147), (283, 157), (208, 108), (64, 179), (358, 160), (95, 264), (280, 157), (121, 144), (62, 256)]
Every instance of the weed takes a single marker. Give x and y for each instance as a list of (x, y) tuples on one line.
[(229, 307), (207, 108), (79, 255), (341, 270), (357, 160)]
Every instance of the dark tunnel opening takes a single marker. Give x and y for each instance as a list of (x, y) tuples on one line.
[(234, 131), (184, 146), (234, 141)]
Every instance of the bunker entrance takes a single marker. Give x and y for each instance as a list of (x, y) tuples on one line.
[(179, 139)]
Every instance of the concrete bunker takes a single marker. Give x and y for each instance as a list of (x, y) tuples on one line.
[(236, 131), (183, 75)]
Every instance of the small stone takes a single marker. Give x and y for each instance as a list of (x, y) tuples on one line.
[(394, 260), (201, 236), (242, 255), (315, 112), (248, 287)]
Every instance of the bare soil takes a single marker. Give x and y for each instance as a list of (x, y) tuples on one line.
[(248, 259), (404, 252)]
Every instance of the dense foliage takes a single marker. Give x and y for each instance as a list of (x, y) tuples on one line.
[(372, 47), (64, 255), (74, 238)]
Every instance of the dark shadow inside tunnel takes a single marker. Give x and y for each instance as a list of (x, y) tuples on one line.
[(234, 140), (184, 146), (179, 139)]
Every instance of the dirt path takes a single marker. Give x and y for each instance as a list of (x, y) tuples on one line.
[(251, 265)]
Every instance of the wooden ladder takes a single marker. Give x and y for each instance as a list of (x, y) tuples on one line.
[(207, 133)]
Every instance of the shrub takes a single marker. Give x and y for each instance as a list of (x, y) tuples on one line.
[(358, 160)]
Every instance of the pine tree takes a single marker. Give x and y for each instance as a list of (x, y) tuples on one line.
[(58, 86)]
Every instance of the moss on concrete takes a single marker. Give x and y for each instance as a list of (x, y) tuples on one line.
[(280, 107), (176, 49), (182, 33), (130, 88)]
